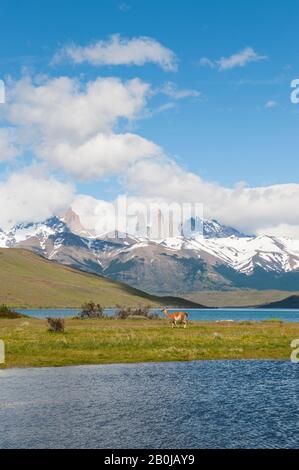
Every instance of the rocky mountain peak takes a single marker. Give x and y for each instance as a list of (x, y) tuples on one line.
[(73, 221)]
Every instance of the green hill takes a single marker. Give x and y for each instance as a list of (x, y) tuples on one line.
[(30, 281), (238, 298), (290, 302)]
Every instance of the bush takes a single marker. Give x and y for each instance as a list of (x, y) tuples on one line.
[(4, 309), (56, 324), (91, 310), (6, 312), (124, 313)]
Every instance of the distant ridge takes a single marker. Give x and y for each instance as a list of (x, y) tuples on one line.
[(290, 302)]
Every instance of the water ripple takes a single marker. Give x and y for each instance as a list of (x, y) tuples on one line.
[(207, 404)]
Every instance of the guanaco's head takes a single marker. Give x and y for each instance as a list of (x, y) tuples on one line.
[(164, 310)]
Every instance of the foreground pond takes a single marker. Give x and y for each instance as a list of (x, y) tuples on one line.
[(194, 314), (208, 404)]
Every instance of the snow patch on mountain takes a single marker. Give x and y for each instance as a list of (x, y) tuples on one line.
[(219, 244), (245, 253)]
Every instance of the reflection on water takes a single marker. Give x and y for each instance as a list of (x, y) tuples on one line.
[(208, 404)]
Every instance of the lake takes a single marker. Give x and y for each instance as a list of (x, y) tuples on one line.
[(194, 314), (206, 404)]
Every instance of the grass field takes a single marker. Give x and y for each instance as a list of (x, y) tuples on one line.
[(30, 281), (28, 343)]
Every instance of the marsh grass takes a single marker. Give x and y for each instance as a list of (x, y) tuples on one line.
[(99, 341), (273, 320)]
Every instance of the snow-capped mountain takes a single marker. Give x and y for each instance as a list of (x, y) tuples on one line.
[(208, 229), (222, 258), (246, 253)]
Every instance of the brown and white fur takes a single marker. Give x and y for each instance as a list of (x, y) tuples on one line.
[(176, 317)]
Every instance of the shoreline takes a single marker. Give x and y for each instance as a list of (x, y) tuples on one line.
[(117, 364), (212, 309)]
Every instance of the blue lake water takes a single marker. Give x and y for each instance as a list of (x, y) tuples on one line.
[(206, 404), (199, 315)]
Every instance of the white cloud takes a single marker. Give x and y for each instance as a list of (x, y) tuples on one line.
[(124, 7), (271, 104), (281, 230), (205, 62), (164, 107), (76, 127), (71, 125), (120, 51), (8, 148), (95, 214), (63, 108), (240, 59), (2, 92), (249, 209), (27, 198), (100, 155), (171, 90)]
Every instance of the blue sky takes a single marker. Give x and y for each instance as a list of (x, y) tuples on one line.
[(237, 124)]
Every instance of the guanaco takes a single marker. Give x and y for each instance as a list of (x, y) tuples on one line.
[(176, 317)]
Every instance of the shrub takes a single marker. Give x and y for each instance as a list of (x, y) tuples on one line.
[(91, 310), (6, 312), (56, 324), (4, 309), (124, 313)]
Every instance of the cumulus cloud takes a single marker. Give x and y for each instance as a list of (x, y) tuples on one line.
[(2, 92), (119, 50), (64, 108), (8, 148), (100, 155), (71, 125), (76, 127), (252, 210), (95, 214), (28, 198), (240, 59)]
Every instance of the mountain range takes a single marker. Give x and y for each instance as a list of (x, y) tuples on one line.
[(219, 258)]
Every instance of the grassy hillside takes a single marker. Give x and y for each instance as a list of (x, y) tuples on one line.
[(30, 281), (237, 298), (290, 302)]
